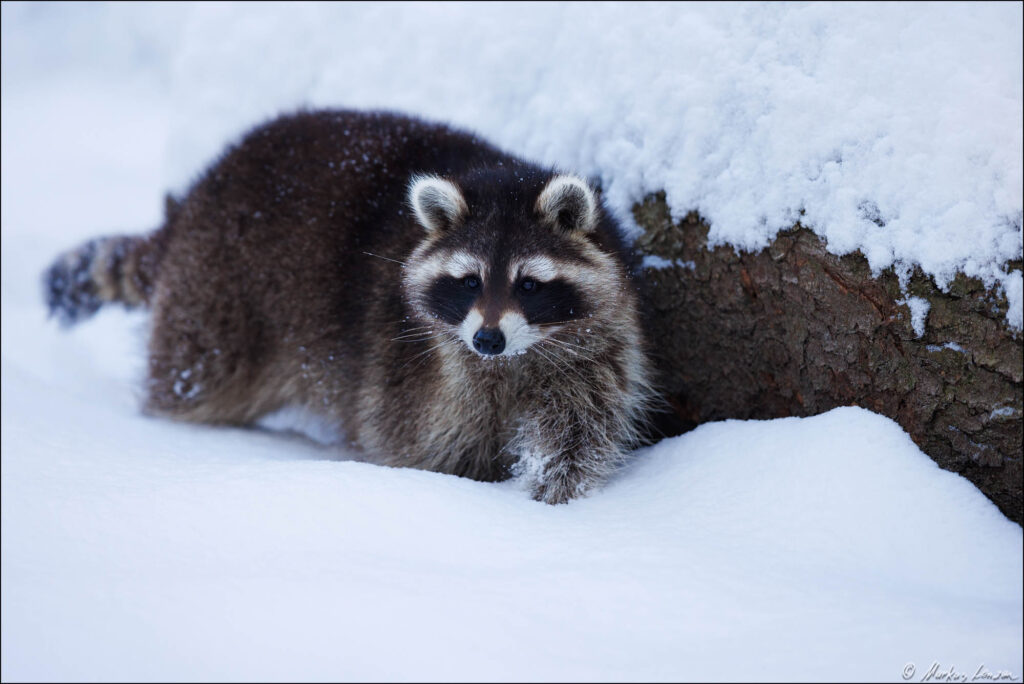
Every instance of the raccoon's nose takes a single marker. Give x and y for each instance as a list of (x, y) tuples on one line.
[(489, 341)]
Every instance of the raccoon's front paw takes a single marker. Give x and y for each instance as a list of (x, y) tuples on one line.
[(559, 484)]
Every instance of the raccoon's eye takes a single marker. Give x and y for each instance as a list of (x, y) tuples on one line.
[(472, 282), (527, 285)]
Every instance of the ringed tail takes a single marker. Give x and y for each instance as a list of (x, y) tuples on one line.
[(108, 269)]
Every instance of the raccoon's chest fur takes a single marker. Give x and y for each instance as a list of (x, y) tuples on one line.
[(453, 418)]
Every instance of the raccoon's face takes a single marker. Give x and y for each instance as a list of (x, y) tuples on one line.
[(504, 270)]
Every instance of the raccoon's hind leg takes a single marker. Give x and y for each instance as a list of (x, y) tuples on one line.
[(111, 269), (209, 363)]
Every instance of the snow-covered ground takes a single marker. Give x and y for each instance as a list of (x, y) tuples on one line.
[(823, 548)]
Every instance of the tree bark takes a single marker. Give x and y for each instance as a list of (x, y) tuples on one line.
[(795, 331)]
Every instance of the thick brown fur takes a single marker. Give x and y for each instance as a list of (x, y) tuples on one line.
[(282, 278)]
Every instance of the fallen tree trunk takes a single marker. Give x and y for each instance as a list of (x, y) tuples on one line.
[(794, 331)]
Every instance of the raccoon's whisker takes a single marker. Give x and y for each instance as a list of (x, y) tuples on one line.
[(562, 364), (547, 357), (385, 258), (566, 343), (578, 355), (418, 339), (417, 333), (403, 321), (569, 367), (574, 349), (423, 329), (424, 353), (569, 372), (417, 356), (447, 307), (562, 341), (414, 338), (414, 333)]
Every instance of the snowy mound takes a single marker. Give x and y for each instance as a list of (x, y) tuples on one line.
[(827, 547), (892, 129)]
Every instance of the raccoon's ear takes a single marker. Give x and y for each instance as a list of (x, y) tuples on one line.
[(568, 203), (437, 203)]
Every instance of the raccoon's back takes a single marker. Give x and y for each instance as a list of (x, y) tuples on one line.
[(314, 170)]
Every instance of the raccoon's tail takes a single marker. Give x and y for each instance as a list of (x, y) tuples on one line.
[(110, 269)]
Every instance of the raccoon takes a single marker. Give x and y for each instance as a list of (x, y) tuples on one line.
[(447, 305)]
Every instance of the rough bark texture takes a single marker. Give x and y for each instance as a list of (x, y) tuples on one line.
[(795, 331)]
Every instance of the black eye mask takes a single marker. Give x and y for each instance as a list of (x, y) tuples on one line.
[(551, 302), (451, 298)]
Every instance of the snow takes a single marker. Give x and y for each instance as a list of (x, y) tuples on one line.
[(657, 262), (919, 308), (827, 547), (821, 548), (953, 346), (1002, 412)]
